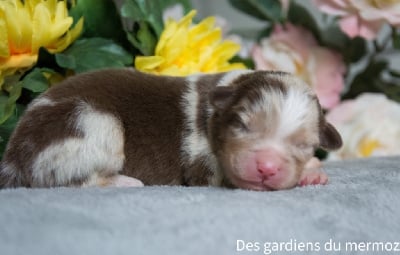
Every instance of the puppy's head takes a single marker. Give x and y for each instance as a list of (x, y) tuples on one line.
[(265, 128)]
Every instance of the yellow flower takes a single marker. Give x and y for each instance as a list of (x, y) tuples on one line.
[(184, 49), (368, 146), (27, 25)]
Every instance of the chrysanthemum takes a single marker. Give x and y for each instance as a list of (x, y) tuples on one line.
[(25, 26), (185, 49)]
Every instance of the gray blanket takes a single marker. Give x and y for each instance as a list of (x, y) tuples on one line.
[(356, 213)]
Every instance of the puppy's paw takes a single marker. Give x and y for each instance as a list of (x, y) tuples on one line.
[(113, 181), (123, 181), (312, 174)]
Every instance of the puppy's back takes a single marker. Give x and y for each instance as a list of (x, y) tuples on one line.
[(109, 118)]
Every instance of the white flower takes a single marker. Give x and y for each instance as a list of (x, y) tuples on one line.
[(369, 125)]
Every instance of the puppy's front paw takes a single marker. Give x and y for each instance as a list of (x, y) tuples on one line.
[(124, 181), (113, 181), (313, 174)]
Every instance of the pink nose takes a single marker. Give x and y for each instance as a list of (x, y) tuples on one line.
[(268, 169), (269, 162)]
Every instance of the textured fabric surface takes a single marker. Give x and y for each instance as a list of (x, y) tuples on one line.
[(360, 204)]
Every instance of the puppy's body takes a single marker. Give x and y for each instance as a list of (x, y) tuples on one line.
[(253, 130)]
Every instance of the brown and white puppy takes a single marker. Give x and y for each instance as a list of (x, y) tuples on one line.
[(252, 130)]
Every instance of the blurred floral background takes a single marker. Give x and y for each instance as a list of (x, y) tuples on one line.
[(345, 50)]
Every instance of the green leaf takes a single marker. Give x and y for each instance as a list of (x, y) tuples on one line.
[(299, 15), (146, 21), (35, 81), (101, 19), (269, 10), (134, 9), (264, 33), (355, 50), (396, 40), (11, 80), (151, 11), (367, 80), (7, 101), (248, 62), (352, 49), (8, 127), (395, 73), (144, 40), (93, 53), (148, 11), (333, 37), (391, 90)]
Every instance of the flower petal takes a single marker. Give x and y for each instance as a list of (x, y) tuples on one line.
[(184, 49), (25, 26), (350, 26), (4, 50), (354, 26), (148, 62), (68, 38), (41, 19)]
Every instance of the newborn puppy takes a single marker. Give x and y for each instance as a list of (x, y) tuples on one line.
[(247, 129)]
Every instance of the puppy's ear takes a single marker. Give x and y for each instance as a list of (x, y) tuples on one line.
[(221, 97), (329, 137)]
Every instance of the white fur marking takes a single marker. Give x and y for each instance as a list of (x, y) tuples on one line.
[(228, 78), (99, 151), (41, 101), (295, 106), (194, 144)]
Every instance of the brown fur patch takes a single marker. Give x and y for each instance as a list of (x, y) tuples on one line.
[(37, 129), (142, 102)]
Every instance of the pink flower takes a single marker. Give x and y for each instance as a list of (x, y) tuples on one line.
[(295, 50), (362, 17)]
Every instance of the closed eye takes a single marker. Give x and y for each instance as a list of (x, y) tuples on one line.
[(238, 123), (305, 146), (242, 126)]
